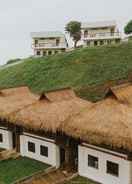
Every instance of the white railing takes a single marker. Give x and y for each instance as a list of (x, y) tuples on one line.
[(49, 45), (101, 35)]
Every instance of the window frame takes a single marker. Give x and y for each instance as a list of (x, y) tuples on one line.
[(32, 148), (57, 42), (109, 170), (95, 159), (38, 52), (49, 53), (36, 41), (44, 53), (1, 138), (44, 151)]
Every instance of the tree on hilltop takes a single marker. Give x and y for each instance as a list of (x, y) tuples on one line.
[(74, 29), (128, 27)]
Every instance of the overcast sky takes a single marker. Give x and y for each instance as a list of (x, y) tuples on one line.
[(20, 17)]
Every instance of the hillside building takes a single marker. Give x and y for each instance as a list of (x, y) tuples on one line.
[(100, 33), (48, 43)]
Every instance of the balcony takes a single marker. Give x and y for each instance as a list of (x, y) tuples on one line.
[(48, 45), (95, 36)]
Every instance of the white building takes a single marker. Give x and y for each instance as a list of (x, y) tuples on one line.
[(105, 128), (100, 33), (103, 165), (40, 148), (6, 138), (48, 43)]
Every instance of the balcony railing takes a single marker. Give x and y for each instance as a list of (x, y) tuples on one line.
[(101, 35), (49, 45)]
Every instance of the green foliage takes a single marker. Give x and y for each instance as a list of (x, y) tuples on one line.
[(74, 29), (82, 68), (13, 61), (128, 27), (15, 169)]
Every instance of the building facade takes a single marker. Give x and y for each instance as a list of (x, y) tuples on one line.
[(100, 33), (103, 165), (40, 148), (6, 139), (48, 43), (93, 162)]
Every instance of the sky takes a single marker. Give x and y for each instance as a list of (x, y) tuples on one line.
[(20, 17)]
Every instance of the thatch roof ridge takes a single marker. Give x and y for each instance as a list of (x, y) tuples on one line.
[(7, 91), (58, 95), (107, 122), (14, 99), (122, 92), (56, 89), (12, 87), (48, 116)]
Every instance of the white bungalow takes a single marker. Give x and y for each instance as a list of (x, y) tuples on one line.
[(34, 121), (103, 165), (105, 154), (100, 33), (6, 141), (11, 100), (40, 148), (48, 43)]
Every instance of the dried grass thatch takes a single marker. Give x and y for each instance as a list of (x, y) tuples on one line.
[(14, 99), (123, 93), (108, 122), (60, 95), (49, 112)]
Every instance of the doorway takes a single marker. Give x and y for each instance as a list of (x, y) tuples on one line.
[(95, 43), (14, 140), (69, 158), (62, 156)]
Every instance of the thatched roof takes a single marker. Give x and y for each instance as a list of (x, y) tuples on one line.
[(108, 122), (59, 95), (123, 93), (14, 99), (50, 111)]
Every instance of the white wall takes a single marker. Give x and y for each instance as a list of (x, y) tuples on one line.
[(53, 150), (100, 175), (7, 139)]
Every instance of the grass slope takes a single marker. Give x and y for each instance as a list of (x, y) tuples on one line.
[(80, 68), (12, 170)]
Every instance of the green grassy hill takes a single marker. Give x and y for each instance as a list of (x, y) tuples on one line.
[(83, 69)]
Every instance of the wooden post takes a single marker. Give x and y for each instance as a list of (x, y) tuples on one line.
[(17, 142), (67, 156), (17, 138)]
